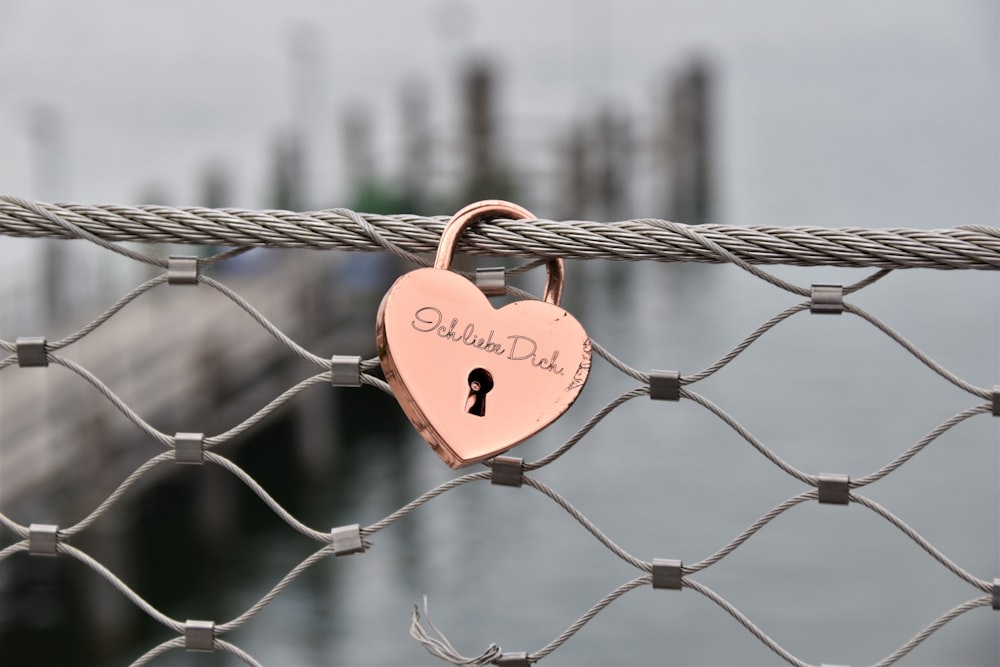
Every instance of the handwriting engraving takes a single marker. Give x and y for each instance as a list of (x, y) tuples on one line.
[(430, 320)]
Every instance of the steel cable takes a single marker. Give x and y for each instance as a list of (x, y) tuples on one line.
[(968, 247)]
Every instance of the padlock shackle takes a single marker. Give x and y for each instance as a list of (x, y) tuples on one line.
[(495, 208)]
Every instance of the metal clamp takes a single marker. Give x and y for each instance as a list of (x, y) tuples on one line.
[(189, 448), (347, 540), (508, 471), (668, 573), (665, 385), (826, 299), (996, 594), (996, 401), (345, 370), (199, 636), (834, 489), (492, 281), (512, 660), (182, 270), (43, 539), (32, 351)]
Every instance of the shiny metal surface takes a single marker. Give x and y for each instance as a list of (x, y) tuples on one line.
[(476, 380), (494, 208)]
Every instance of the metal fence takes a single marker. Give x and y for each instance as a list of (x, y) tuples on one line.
[(964, 248)]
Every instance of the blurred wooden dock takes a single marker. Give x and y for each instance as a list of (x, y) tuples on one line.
[(186, 359)]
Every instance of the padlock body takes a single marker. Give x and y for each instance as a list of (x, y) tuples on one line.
[(473, 379)]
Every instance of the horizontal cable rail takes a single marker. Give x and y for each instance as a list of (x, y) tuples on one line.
[(971, 247), (965, 247)]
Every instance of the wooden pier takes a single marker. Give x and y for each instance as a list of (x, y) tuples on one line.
[(186, 359)]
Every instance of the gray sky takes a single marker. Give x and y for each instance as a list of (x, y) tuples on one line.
[(151, 92)]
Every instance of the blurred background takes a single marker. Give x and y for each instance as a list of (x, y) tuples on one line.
[(867, 114)]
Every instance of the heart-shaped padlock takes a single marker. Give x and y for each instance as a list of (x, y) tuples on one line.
[(476, 380)]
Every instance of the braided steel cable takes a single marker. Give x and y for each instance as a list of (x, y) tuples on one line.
[(967, 247)]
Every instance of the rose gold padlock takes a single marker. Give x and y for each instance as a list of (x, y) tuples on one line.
[(473, 379)]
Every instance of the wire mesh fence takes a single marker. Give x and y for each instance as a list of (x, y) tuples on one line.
[(963, 248)]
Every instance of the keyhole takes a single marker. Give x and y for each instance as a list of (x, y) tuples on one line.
[(480, 383)]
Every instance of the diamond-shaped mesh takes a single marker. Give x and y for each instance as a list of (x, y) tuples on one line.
[(883, 249)]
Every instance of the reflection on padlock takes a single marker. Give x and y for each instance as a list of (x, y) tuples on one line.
[(444, 347)]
